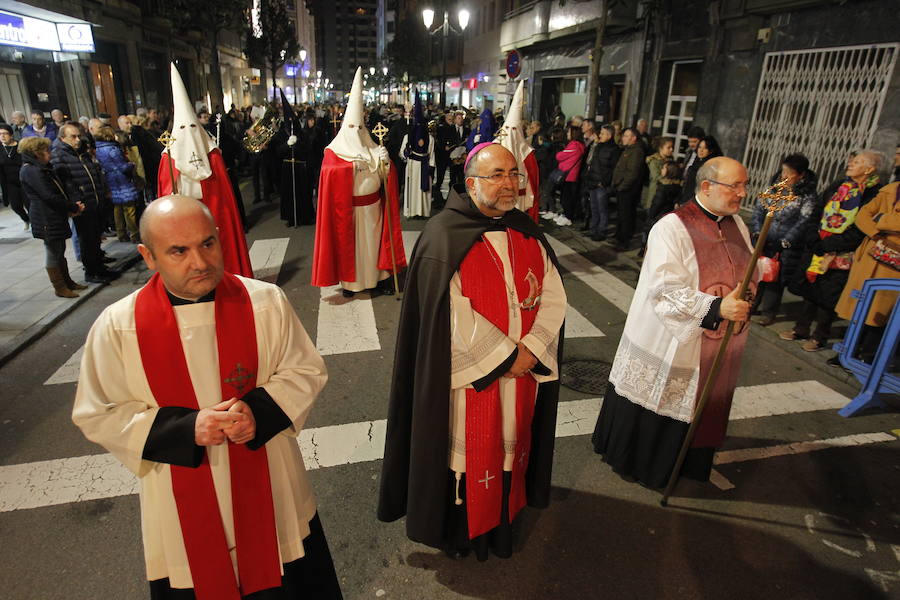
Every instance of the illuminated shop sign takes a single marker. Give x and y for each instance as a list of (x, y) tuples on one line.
[(28, 32), (75, 37)]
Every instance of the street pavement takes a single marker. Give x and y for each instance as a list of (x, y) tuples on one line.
[(803, 503)]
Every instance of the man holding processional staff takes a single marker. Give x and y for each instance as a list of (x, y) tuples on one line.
[(689, 283)]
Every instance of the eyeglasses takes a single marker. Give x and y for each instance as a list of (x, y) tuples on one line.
[(735, 187), (497, 178)]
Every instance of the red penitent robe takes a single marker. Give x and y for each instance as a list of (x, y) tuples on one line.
[(334, 255), (219, 198)]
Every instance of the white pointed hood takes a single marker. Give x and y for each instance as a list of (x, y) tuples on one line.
[(353, 141), (192, 143), (514, 127)]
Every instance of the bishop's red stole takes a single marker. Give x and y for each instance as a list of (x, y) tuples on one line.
[(162, 356), (724, 259), (484, 285)]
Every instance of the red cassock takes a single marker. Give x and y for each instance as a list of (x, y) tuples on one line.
[(534, 179), (334, 255), (219, 198)]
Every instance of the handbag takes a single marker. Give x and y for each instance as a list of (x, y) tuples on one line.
[(769, 268), (557, 177), (885, 253)]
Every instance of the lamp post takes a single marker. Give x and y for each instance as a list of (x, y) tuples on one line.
[(462, 18), (302, 56)]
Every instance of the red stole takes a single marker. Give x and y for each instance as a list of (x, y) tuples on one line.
[(162, 356), (334, 254), (483, 284), (219, 198), (725, 256)]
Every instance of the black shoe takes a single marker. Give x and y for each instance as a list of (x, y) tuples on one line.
[(111, 275), (598, 238), (347, 293), (385, 287), (108, 259), (456, 554), (585, 227), (91, 278)]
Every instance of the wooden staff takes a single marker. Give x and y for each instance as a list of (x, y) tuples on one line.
[(774, 199), (380, 131)]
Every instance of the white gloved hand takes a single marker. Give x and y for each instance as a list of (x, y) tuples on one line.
[(292, 140), (477, 138), (382, 154)]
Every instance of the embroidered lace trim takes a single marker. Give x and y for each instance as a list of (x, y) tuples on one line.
[(681, 309), (649, 381), (460, 359)]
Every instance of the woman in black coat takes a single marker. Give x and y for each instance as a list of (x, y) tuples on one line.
[(789, 225), (828, 247), (10, 163), (707, 148), (50, 210)]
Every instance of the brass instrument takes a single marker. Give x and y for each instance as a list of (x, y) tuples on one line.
[(259, 134)]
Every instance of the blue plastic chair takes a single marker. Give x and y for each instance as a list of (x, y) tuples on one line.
[(874, 377)]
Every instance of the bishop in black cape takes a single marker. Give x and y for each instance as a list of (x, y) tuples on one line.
[(414, 476)]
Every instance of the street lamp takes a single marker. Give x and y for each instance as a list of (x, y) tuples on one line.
[(462, 17)]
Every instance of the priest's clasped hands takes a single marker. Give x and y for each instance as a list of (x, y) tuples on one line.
[(525, 361), (230, 420)]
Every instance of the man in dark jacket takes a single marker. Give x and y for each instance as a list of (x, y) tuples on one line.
[(627, 180), (83, 182), (602, 158), (444, 144)]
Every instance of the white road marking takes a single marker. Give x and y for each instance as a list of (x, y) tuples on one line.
[(784, 398), (345, 326), (616, 291), (409, 242), (846, 441), (79, 478), (266, 258), (577, 325), (720, 481), (68, 372)]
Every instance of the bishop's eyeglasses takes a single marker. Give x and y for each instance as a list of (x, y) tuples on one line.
[(498, 178)]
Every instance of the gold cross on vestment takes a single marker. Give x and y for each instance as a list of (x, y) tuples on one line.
[(486, 480), (238, 378), (334, 120), (380, 131)]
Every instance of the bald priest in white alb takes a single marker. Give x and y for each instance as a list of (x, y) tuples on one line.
[(199, 383)]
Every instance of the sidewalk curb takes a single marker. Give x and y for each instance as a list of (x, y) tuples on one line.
[(34, 332)]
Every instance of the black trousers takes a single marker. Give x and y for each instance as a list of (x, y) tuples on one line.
[(17, 201), (822, 316), (627, 203), (768, 297), (87, 225), (442, 165)]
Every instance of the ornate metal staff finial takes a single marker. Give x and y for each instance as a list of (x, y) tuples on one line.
[(380, 131), (504, 131), (166, 139), (777, 196)]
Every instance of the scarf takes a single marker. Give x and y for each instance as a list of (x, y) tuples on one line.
[(838, 215)]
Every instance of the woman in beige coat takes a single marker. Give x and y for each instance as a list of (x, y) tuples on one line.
[(879, 220)]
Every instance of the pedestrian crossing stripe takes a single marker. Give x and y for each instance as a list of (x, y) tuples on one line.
[(96, 476)]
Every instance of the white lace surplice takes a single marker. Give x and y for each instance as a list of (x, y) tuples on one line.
[(659, 367)]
